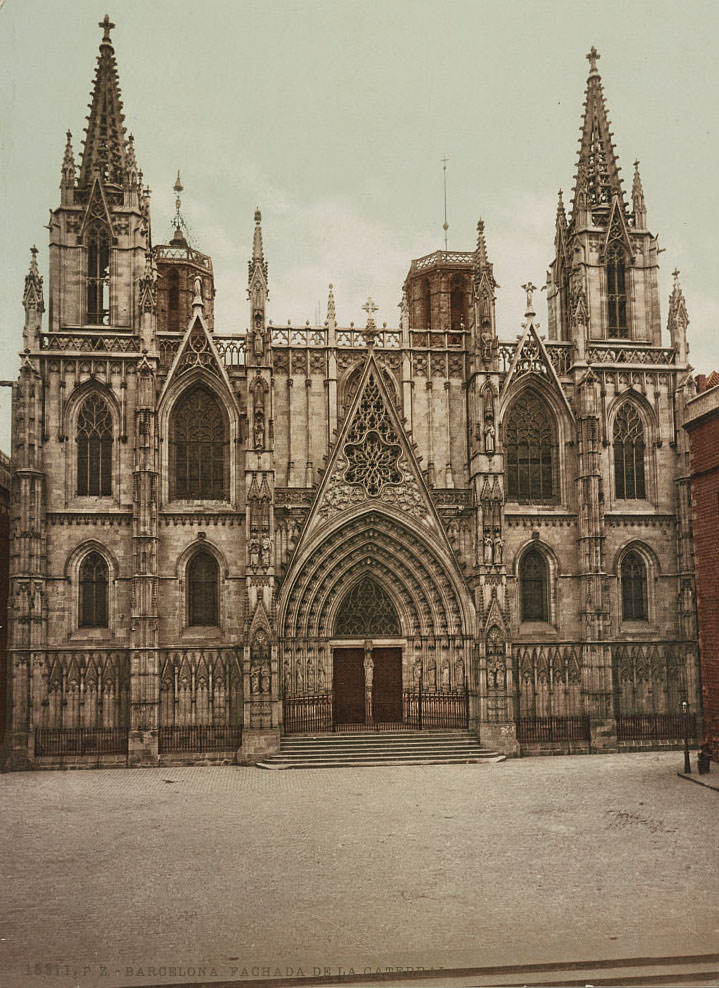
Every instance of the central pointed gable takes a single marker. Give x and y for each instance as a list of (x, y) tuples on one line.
[(197, 351), (372, 462), (531, 358)]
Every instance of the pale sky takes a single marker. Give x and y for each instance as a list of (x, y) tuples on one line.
[(334, 116)]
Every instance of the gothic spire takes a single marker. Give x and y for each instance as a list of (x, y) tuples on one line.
[(258, 254), (597, 176), (68, 164), (638, 206), (105, 148), (483, 288), (32, 297), (331, 314)]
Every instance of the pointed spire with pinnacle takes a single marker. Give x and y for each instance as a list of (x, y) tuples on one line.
[(105, 148), (32, 296), (331, 314), (597, 176), (638, 206), (68, 164), (258, 253), (484, 285), (678, 319)]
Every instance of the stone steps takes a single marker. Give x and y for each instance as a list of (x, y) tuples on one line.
[(370, 749)]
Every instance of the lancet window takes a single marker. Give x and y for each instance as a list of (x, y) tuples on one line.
[(367, 610), (629, 453), (94, 448), (93, 591), (173, 300), (530, 447), (616, 292), (533, 583), (202, 590), (634, 587), (199, 446), (98, 275)]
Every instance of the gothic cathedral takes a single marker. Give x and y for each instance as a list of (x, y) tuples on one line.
[(219, 540)]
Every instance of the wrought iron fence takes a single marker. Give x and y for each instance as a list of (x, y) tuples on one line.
[(59, 741), (421, 710), (199, 738), (655, 727), (434, 709), (539, 729), (308, 714)]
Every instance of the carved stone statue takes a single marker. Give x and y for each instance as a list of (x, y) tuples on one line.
[(258, 343), (368, 672), (498, 550), (254, 549), (488, 549), (259, 430), (489, 438), (266, 551), (486, 342)]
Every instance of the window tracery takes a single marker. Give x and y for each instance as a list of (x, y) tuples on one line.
[(199, 443), (372, 448), (533, 582), (616, 292), (367, 610), (98, 275), (94, 581), (202, 590), (634, 587), (629, 453), (94, 448), (530, 446)]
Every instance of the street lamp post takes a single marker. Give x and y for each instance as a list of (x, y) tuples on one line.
[(685, 713)]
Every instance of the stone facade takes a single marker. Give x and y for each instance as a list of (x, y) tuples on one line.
[(702, 424), (219, 538)]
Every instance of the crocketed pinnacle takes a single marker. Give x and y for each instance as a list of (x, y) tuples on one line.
[(677, 305), (32, 296), (68, 163), (331, 315), (483, 268), (105, 148), (597, 179), (561, 214), (257, 249), (638, 206)]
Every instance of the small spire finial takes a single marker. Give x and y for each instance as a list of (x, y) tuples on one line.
[(107, 26), (331, 314), (370, 329), (593, 57)]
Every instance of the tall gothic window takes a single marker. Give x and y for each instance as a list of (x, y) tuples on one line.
[(94, 448), (629, 453), (98, 276), (634, 587), (616, 292), (533, 586), (202, 595), (456, 304), (173, 300), (367, 610), (427, 297), (530, 448), (93, 591), (199, 445)]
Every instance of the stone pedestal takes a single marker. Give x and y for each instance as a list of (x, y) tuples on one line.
[(258, 744), (142, 749), (501, 736), (603, 734)]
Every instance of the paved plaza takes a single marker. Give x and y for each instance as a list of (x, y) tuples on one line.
[(138, 877)]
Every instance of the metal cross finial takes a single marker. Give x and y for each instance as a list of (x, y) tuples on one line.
[(675, 275), (530, 289), (592, 58), (107, 26)]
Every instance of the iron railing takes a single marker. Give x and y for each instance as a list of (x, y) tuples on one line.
[(199, 738), (60, 741), (421, 710), (655, 727), (547, 729)]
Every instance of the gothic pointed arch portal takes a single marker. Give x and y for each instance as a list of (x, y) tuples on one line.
[(375, 610)]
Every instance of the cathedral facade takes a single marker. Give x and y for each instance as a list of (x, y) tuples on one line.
[(217, 540)]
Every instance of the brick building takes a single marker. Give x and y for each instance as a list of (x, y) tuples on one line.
[(702, 424), (218, 539)]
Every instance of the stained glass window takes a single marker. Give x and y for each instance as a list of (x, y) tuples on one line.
[(629, 453), (367, 610), (94, 448), (530, 448), (93, 591), (533, 579), (202, 581), (634, 588), (199, 442)]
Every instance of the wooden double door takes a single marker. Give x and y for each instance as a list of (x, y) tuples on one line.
[(350, 686)]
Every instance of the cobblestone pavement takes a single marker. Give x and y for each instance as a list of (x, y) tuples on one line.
[(160, 875)]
